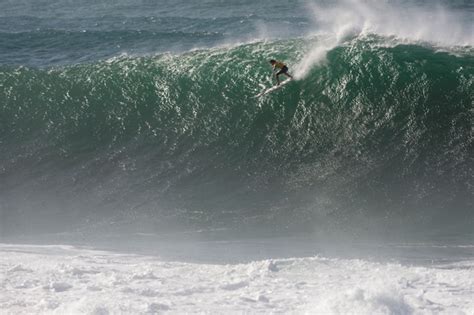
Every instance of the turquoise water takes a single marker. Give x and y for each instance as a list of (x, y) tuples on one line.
[(143, 116)]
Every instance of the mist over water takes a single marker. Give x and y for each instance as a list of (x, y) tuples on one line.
[(410, 22), (125, 118)]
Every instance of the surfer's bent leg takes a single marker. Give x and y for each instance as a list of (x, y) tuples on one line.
[(284, 71)]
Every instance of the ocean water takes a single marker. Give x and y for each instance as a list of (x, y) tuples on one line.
[(133, 126)]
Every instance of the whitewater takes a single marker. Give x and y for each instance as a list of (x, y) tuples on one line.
[(69, 280), (139, 174)]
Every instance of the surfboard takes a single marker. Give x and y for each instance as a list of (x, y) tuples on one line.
[(273, 88)]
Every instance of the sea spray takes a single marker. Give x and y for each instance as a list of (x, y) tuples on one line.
[(339, 22)]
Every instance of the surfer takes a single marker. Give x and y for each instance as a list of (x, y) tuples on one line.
[(283, 69)]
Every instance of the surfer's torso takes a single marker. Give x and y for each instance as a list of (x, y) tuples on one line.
[(279, 65)]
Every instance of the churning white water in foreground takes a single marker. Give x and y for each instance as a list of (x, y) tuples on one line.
[(71, 280)]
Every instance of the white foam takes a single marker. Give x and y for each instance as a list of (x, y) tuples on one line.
[(68, 280), (351, 18)]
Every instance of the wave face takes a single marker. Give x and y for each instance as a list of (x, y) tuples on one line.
[(377, 135)]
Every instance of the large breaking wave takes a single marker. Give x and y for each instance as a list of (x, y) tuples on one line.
[(377, 135)]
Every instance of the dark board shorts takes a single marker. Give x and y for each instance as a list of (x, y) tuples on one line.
[(283, 70)]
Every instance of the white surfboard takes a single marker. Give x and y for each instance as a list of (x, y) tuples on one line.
[(273, 88)]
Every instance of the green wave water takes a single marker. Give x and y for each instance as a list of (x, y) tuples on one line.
[(373, 134)]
